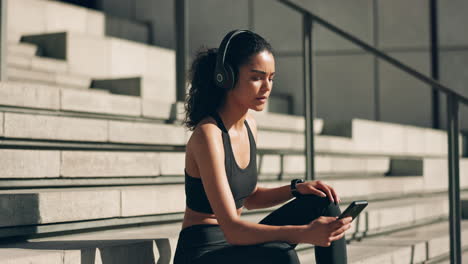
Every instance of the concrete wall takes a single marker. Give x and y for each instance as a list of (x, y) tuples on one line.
[(345, 76)]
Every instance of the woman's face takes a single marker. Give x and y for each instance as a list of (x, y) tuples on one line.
[(255, 81)]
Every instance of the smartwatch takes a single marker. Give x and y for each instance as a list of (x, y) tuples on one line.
[(294, 191)]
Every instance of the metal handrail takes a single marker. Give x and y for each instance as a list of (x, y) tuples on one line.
[(376, 52), (453, 100)]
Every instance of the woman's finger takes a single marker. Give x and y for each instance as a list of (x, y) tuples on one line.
[(326, 189), (316, 191), (334, 238), (341, 230), (335, 195)]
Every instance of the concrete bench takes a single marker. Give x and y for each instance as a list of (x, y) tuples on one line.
[(377, 250), (86, 101), (58, 205), (30, 163), (19, 49), (416, 245), (124, 251), (32, 16), (42, 77), (108, 58), (390, 138)]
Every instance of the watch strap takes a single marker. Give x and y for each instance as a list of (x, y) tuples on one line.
[(294, 190)]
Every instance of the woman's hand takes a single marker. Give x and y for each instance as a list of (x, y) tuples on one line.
[(318, 188), (324, 230)]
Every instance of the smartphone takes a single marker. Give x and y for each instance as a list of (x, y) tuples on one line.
[(354, 209)]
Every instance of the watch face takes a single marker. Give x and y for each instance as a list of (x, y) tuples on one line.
[(294, 191)]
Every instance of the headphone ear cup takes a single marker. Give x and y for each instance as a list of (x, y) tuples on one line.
[(219, 78), (230, 77)]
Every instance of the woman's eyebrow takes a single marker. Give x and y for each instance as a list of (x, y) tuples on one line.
[(259, 71)]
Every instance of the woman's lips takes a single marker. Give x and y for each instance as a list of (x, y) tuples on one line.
[(262, 99)]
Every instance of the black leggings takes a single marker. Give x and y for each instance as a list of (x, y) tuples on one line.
[(206, 243)]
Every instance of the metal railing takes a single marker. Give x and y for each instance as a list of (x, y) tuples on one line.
[(453, 100)]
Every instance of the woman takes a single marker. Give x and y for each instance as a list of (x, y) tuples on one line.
[(221, 174)]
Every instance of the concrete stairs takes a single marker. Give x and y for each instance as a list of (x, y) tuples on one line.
[(99, 104), (58, 205), (380, 238), (25, 66), (87, 252), (43, 62), (446, 260), (148, 69), (79, 165), (96, 175), (424, 244)]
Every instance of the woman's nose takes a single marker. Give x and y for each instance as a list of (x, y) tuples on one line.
[(267, 85)]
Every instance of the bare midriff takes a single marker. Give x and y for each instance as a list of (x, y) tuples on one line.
[(196, 218)]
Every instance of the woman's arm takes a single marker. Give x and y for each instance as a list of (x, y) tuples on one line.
[(264, 197), (208, 152)]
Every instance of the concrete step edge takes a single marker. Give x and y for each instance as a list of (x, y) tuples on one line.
[(394, 250)]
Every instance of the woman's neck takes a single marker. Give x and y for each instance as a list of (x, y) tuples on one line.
[(233, 116)]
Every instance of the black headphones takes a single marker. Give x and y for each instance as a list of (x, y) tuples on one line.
[(224, 76)]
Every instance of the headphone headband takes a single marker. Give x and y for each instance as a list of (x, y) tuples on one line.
[(224, 76)]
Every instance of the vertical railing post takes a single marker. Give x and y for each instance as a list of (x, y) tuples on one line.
[(454, 179), (375, 33), (308, 95), (434, 63), (3, 40), (182, 52)]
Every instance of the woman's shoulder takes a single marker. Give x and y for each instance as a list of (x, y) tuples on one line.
[(206, 129)]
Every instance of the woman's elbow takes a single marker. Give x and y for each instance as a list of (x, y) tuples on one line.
[(232, 234), (249, 204)]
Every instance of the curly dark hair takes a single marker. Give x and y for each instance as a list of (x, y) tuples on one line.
[(204, 97)]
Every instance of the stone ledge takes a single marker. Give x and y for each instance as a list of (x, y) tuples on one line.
[(98, 102), (75, 204), (126, 251), (28, 95)]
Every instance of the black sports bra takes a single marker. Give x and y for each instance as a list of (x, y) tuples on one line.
[(242, 181)]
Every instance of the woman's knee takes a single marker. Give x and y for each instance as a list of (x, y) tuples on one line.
[(332, 209), (324, 204)]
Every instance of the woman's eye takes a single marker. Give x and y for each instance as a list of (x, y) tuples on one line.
[(260, 78)]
